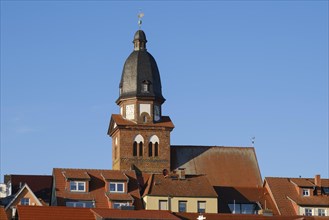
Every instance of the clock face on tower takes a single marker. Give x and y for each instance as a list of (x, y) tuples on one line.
[(156, 113), (130, 111)]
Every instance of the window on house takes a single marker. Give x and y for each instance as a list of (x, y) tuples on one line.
[(201, 207), (81, 204), (77, 186), (321, 212), (140, 149), (243, 208), (118, 205), (156, 149), (150, 149), (308, 212), (182, 206), (135, 149), (117, 187), (163, 205), (306, 192), (326, 190), (25, 201)]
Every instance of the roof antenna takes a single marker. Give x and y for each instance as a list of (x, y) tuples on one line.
[(140, 16), (253, 141)]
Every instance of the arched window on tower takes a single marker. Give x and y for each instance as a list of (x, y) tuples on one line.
[(150, 149), (154, 146), (140, 149), (135, 149), (138, 146), (156, 149)]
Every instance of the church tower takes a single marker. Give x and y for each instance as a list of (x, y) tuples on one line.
[(140, 133)]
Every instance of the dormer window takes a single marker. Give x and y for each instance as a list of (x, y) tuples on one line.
[(306, 192), (117, 187), (77, 186), (146, 86)]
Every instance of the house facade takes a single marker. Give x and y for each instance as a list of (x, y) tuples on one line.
[(92, 188), (180, 193), (299, 196)]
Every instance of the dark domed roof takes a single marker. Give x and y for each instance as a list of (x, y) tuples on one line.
[(140, 35), (140, 71)]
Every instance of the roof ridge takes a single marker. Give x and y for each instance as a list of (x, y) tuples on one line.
[(236, 147), (86, 169)]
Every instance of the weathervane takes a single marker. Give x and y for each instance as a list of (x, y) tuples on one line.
[(140, 15)]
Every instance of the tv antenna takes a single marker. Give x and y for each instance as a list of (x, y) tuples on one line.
[(252, 139), (140, 16)]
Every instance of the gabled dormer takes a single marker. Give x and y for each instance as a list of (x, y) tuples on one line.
[(115, 181), (77, 181), (116, 188)]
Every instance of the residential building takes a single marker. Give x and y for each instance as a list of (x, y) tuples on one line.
[(299, 196), (180, 193), (39, 184), (24, 197), (92, 188)]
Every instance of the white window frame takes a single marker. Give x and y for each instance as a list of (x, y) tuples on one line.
[(306, 211), (77, 183), (25, 201), (116, 187), (323, 212), (306, 192)]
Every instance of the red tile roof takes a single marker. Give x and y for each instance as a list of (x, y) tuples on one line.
[(119, 196), (3, 215), (97, 190), (209, 216), (224, 166), (134, 214), (76, 174), (285, 194), (39, 184), (192, 186), (114, 175), (54, 213), (120, 121)]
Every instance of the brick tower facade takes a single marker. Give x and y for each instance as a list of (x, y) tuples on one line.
[(140, 134)]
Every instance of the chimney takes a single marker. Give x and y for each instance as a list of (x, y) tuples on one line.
[(317, 180), (181, 173)]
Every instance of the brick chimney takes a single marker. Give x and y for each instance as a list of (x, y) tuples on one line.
[(317, 182)]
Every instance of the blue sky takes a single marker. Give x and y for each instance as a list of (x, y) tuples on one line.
[(230, 70)]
